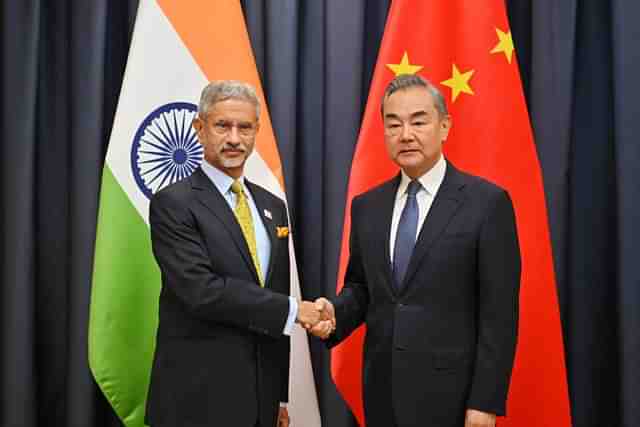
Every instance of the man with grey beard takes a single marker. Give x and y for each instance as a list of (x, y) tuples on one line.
[(225, 314)]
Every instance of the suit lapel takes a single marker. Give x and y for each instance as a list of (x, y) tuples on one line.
[(209, 196), (382, 221), (263, 206), (445, 205)]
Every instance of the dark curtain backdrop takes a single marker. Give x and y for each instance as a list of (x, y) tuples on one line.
[(61, 69)]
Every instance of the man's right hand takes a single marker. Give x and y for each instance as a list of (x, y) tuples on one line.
[(308, 314), (327, 325)]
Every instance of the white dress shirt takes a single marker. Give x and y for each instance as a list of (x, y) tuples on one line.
[(431, 182), (223, 182)]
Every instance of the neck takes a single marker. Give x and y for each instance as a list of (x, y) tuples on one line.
[(415, 173), (233, 172)]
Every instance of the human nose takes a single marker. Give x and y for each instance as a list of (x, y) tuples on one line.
[(405, 132), (234, 133)]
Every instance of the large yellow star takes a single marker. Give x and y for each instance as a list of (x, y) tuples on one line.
[(459, 82), (505, 44), (404, 67)]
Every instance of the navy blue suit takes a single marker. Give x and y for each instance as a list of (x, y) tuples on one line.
[(446, 341), (221, 357)]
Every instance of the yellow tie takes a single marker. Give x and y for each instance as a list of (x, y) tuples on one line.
[(243, 215)]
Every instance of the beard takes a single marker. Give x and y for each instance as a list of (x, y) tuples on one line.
[(231, 163), (240, 156)]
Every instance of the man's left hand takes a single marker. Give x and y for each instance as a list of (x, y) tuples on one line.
[(283, 417), (327, 323), (475, 418)]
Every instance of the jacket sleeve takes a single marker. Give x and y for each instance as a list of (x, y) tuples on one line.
[(284, 369), (188, 273), (352, 303), (498, 282)]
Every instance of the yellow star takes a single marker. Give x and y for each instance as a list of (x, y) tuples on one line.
[(404, 67), (459, 82), (505, 44)]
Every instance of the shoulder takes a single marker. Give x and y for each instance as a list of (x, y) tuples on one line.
[(264, 198), (484, 197), (173, 201), (476, 186), (378, 194), (256, 188), (175, 193)]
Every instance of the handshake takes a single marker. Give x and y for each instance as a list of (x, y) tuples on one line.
[(318, 318)]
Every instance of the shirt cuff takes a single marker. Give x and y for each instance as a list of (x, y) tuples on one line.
[(283, 405), (293, 313)]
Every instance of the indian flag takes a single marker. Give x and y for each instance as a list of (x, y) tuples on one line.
[(177, 48)]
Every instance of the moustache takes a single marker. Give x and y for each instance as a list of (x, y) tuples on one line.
[(234, 147)]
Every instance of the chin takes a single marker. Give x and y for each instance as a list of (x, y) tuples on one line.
[(409, 163), (233, 163)]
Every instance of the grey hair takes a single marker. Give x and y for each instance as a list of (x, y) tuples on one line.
[(222, 90), (406, 81)]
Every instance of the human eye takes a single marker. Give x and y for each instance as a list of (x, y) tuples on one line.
[(419, 124), (221, 127), (245, 128)]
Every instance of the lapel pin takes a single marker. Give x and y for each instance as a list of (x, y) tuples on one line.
[(267, 213)]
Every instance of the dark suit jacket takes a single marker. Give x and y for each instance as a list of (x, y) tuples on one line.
[(446, 341), (221, 357)]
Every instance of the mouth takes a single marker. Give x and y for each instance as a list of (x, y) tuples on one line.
[(409, 152), (233, 151)]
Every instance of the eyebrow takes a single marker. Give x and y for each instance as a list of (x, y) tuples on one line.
[(240, 122), (413, 115)]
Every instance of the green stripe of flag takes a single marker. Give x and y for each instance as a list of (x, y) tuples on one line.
[(124, 304)]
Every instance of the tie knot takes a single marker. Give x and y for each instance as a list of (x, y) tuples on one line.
[(236, 187), (414, 187)]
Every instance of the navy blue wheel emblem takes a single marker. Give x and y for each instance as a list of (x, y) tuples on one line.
[(165, 148)]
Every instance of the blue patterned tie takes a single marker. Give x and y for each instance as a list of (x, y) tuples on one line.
[(406, 235)]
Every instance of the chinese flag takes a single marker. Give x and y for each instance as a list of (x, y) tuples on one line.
[(465, 48)]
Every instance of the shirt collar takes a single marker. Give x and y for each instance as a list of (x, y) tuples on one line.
[(430, 181), (221, 180)]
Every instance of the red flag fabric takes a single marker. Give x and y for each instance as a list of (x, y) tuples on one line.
[(466, 49)]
